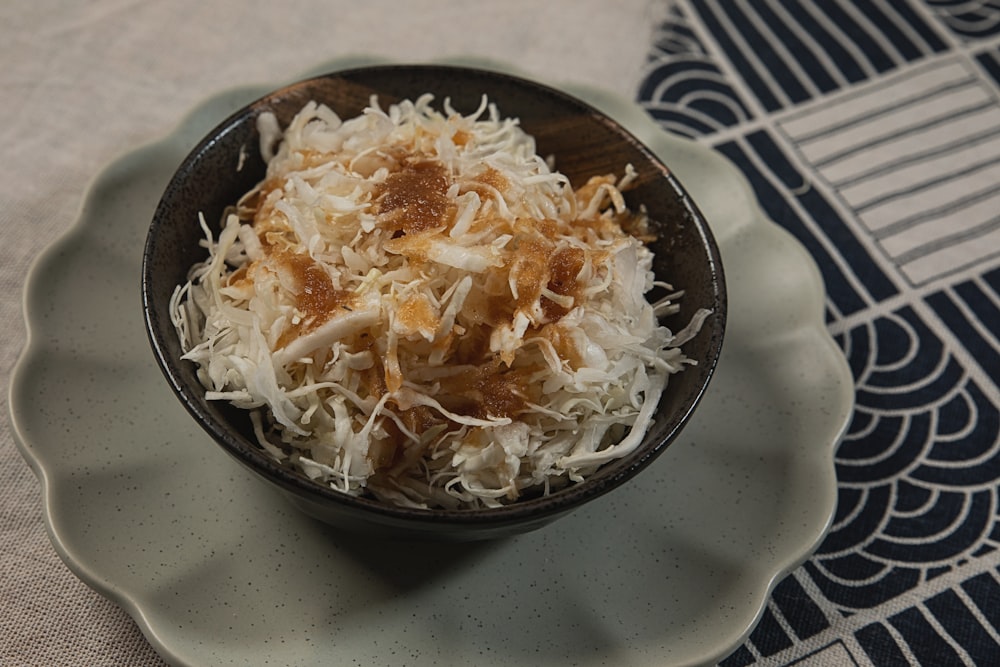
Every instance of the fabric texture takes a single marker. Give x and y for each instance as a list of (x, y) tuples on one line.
[(871, 131)]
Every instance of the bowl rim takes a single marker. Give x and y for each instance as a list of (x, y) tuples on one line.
[(559, 501)]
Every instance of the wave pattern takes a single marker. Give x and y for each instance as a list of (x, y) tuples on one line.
[(918, 498), (792, 51), (683, 87), (970, 19), (837, 113), (917, 472)]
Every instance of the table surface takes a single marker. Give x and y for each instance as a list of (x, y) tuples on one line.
[(868, 129)]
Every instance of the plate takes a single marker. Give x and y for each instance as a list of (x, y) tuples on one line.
[(216, 568)]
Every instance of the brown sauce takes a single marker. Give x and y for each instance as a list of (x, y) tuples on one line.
[(238, 277), (417, 314), (414, 199), (317, 298), (254, 207), (388, 451), (530, 265), (501, 395), (489, 391), (493, 178), (564, 267)]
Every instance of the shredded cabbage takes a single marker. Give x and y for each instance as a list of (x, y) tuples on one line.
[(415, 306)]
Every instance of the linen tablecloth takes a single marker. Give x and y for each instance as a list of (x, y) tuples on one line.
[(868, 129)]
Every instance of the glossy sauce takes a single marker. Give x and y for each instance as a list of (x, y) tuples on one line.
[(529, 270), (416, 314), (317, 298), (254, 207), (386, 452), (493, 178), (501, 395), (490, 391), (564, 267), (414, 199)]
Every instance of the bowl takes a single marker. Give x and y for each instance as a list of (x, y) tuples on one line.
[(226, 163)]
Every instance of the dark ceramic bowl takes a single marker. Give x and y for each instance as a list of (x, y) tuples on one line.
[(584, 143)]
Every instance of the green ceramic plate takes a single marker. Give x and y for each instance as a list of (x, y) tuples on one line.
[(673, 569)]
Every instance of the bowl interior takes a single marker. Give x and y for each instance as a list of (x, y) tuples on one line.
[(583, 142)]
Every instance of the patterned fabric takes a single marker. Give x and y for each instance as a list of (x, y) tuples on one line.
[(870, 129)]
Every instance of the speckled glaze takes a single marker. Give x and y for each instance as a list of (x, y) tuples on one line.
[(584, 141)]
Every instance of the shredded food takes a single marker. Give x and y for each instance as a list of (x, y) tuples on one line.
[(417, 307)]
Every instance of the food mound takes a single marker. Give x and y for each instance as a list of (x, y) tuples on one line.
[(416, 307)]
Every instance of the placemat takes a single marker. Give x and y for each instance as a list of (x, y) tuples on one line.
[(871, 130)]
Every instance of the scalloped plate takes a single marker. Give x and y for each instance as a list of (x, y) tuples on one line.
[(216, 568)]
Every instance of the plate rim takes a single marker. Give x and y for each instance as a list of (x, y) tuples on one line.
[(637, 121)]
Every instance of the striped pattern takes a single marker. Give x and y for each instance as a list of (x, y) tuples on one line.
[(790, 51), (814, 220), (990, 62), (870, 129), (683, 87), (919, 172), (972, 311), (791, 616), (834, 654), (955, 627)]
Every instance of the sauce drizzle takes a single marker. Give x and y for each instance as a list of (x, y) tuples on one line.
[(414, 199)]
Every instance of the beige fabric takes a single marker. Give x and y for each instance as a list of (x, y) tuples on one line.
[(81, 82)]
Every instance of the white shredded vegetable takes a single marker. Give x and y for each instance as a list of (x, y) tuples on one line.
[(416, 307)]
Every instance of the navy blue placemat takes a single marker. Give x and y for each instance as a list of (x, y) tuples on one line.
[(871, 130)]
